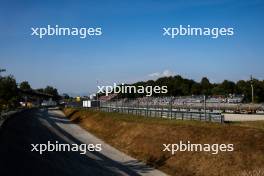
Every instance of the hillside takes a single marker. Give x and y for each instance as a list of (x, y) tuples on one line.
[(143, 138)]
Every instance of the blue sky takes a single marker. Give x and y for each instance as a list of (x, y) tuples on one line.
[(132, 46)]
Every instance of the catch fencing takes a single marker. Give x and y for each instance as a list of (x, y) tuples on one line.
[(157, 111)]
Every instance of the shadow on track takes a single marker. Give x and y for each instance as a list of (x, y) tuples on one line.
[(103, 160), (24, 129)]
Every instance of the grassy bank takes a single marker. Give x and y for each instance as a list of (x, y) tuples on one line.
[(143, 138)]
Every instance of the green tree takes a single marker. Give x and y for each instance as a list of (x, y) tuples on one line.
[(41, 90), (52, 91), (243, 87), (65, 96), (206, 86), (179, 86), (218, 90), (228, 87), (25, 85), (8, 92), (196, 89)]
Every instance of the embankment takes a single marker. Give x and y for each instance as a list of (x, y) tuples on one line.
[(143, 138)]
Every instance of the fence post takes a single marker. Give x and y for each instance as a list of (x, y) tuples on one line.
[(171, 108), (122, 106), (139, 111), (155, 114), (205, 107), (147, 107)]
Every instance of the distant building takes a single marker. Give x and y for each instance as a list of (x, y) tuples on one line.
[(78, 99)]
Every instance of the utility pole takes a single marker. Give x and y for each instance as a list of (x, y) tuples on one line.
[(252, 89)]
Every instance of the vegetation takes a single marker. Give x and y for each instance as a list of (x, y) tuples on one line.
[(51, 91), (178, 86), (10, 93), (25, 86), (143, 138)]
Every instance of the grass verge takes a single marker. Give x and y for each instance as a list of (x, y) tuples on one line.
[(143, 138)]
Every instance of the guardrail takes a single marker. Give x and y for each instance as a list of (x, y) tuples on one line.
[(167, 113)]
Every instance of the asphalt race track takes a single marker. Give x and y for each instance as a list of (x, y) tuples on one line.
[(39, 126)]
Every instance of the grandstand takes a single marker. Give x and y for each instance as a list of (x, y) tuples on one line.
[(232, 104)]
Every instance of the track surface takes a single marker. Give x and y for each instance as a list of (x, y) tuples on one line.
[(39, 126)]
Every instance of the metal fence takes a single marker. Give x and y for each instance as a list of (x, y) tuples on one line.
[(168, 112)]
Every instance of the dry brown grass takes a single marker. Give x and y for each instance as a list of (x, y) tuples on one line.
[(143, 138)]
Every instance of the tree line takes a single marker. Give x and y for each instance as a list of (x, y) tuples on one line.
[(10, 91), (179, 86)]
